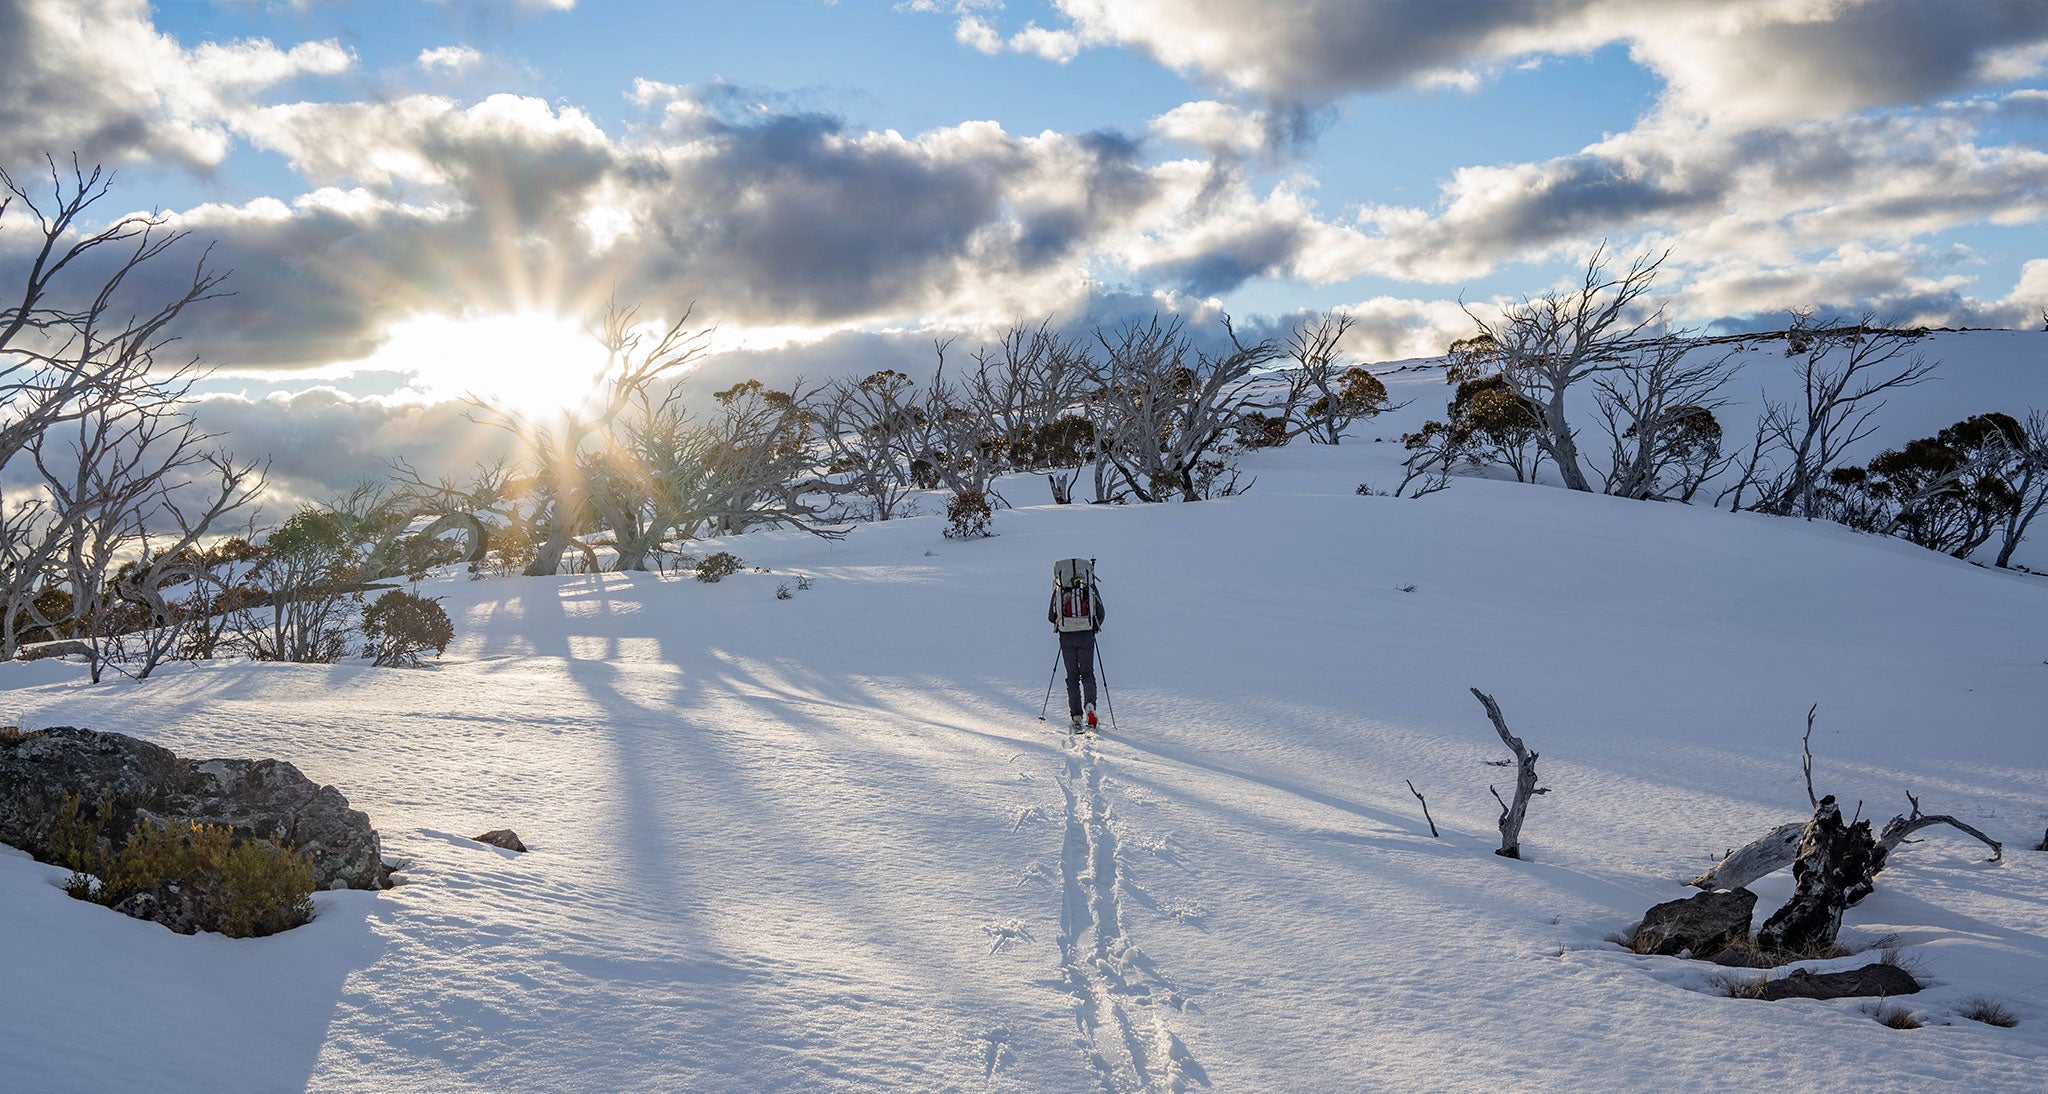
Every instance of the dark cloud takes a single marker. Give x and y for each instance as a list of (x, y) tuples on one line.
[(1259, 250)]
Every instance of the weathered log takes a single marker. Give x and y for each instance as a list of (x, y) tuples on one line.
[(1511, 815), (1765, 856), (1835, 868)]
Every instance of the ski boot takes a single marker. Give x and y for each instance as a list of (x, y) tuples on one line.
[(1092, 723)]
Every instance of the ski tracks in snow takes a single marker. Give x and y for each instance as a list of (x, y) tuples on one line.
[(1124, 1009)]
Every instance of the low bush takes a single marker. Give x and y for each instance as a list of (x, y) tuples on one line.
[(717, 567), (968, 516), (401, 627), (189, 877)]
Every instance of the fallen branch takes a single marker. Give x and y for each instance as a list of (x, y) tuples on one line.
[(1511, 815), (1896, 832), (1425, 807)]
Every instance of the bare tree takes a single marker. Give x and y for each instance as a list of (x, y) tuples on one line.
[(1025, 390), (173, 559), (764, 467), (1844, 374), (84, 396), (1324, 394), (1170, 406), (1547, 344), (1664, 440), (958, 450), (870, 429), (455, 506)]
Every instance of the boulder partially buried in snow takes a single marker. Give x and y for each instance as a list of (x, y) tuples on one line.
[(503, 837), (1701, 925), (1870, 980), (267, 798)]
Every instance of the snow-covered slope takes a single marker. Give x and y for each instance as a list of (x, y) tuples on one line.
[(826, 843)]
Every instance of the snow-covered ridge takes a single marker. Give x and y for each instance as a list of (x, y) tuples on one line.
[(825, 842)]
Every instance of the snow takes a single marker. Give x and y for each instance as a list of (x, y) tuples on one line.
[(826, 843)]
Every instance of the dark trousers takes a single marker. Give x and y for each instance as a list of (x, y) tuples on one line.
[(1077, 649)]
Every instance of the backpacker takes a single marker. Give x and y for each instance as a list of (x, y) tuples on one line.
[(1073, 594)]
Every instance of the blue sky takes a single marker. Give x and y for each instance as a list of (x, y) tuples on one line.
[(836, 184)]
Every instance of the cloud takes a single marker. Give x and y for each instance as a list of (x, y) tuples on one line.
[(1737, 61), (449, 58), (94, 77), (1778, 191), (321, 443), (1910, 286)]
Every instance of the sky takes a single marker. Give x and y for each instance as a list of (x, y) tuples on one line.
[(425, 200)]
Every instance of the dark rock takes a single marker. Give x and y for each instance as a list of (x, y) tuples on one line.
[(502, 837), (142, 781), (1878, 980), (1700, 925)]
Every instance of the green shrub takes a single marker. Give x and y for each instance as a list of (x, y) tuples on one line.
[(719, 566), (968, 516), (188, 876), (401, 626)]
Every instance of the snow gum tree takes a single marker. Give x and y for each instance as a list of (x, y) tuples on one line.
[(1170, 406), (308, 576), (1844, 373), (100, 461), (1325, 395), (2029, 479), (869, 428), (1949, 492), (1664, 441), (1549, 344)]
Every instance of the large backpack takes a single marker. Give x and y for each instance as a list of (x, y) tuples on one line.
[(1073, 594)]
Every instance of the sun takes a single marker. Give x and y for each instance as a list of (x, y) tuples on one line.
[(536, 363)]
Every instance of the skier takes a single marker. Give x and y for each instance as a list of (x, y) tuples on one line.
[(1080, 602)]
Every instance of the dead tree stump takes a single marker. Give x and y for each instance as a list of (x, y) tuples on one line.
[(1835, 868), (1511, 814)]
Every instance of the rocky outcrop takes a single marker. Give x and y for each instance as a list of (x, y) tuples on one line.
[(1701, 926), (142, 781), (1870, 980)]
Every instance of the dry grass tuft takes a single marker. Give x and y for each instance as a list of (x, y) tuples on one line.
[(1991, 1012)]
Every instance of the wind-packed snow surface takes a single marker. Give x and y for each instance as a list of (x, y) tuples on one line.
[(826, 843)]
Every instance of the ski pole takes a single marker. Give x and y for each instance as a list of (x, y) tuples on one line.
[(1108, 704), (1047, 705)]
